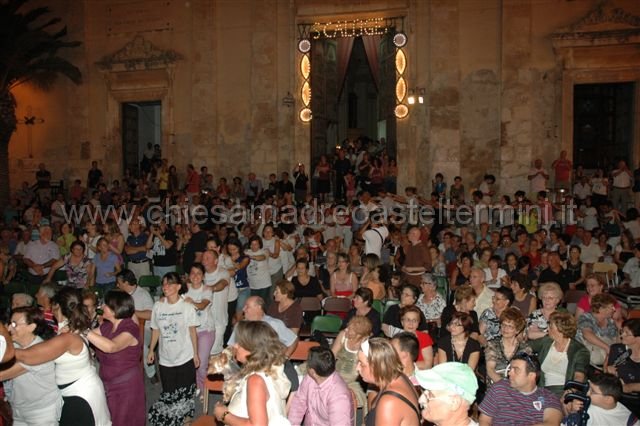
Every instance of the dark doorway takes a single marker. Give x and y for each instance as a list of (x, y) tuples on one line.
[(352, 93), (141, 125), (602, 124)]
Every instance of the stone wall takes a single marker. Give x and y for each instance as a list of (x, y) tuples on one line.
[(494, 86)]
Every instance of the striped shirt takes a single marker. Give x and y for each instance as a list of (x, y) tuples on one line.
[(509, 407)]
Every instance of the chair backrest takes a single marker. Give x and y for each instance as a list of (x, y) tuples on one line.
[(301, 353), (377, 305), (326, 323), (633, 314), (149, 281), (336, 304), (572, 297), (310, 304), (608, 272), (390, 303)]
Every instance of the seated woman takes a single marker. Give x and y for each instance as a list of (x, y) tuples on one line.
[(304, 284), (624, 361), (119, 348), (80, 270), (397, 402), (464, 301), (408, 297), (362, 307), (345, 348), (410, 319), (82, 390), (562, 358), (35, 399), (457, 346), (431, 303), (490, 318), (286, 308), (597, 330), (501, 349), (595, 285), (377, 282), (263, 388), (523, 299), (538, 322), (344, 282)]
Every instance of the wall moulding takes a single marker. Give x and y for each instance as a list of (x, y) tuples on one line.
[(590, 51), (139, 54)]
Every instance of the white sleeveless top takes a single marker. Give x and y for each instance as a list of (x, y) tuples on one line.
[(278, 391), (78, 373), (274, 264)]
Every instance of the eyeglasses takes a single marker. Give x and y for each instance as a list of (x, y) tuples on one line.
[(412, 320), (529, 358), (14, 324), (455, 324), (507, 326), (427, 396)]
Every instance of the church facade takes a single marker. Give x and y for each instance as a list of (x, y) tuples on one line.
[(498, 79)]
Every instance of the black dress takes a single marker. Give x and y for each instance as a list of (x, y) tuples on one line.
[(445, 344)]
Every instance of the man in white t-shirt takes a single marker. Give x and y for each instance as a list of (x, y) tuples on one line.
[(41, 254), (605, 392), (218, 279), (538, 177), (631, 269), (374, 232), (591, 251), (143, 304), (621, 186)]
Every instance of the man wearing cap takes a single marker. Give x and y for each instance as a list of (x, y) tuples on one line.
[(519, 401), (449, 390)]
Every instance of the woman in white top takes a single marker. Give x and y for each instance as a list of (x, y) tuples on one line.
[(82, 391), (173, 325), (199, 295), (34, 397), (262, 391), (271, 245), (258, 269)]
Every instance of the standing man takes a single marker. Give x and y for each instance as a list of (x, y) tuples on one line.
[(538, 178), (135, 248), (194, 248), (621, 188), (374, 232), (341, 166), (519, 401), (162, 243), (562, 169), (94, 176), (43, 179), (217, 279)]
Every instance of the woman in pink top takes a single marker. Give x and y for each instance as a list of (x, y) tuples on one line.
[(595, 286)]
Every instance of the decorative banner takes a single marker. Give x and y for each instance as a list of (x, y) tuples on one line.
[(353, 28)]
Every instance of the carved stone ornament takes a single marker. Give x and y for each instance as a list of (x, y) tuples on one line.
[(138, 54), (604, 22)]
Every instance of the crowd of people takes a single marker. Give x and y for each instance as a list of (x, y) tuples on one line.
[(495, 320)]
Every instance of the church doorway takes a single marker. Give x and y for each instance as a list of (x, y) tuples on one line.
[(141, 126), (603, 124), (352, 86)]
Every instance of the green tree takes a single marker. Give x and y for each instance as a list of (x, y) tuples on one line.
[(29, 53)]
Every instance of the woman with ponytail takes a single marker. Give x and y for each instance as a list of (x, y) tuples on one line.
[(82, 391)]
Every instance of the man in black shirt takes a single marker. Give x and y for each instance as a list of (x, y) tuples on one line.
[(94, 176), (555, 272), (341, 166), (195, 247), (162, 243)]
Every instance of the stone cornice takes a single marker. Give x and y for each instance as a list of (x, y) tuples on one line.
[(604, 25), (138, 54)]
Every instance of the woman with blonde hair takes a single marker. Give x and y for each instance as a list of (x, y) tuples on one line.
[(562, 358), (397, 401), (345, 348), (263, 389)]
